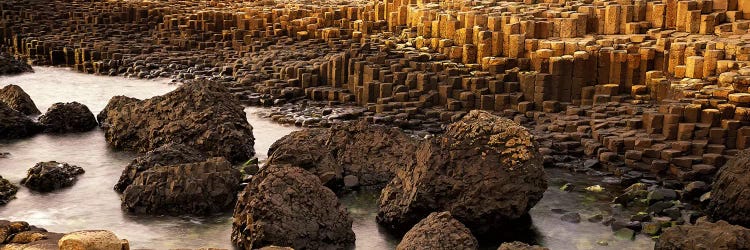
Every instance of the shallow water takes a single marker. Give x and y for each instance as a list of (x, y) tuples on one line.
[(92, 204)]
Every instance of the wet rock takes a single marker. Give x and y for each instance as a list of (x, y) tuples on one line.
[(371, 153), (21, 235), (7, 191), (115, 103), (67, 118), (11, 66), (283, 203), (166, 155), (517, 245), (595, 218), (51, 175), (704, 235), (571, 217), (17, 99), (625, 233), (193, 188), (14, 125), (92, 239), (200, 114), (438, 231), (730, 195), (485, 170), (661, 194)]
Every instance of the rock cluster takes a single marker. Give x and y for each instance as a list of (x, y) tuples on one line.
[(19, 100), (201, 114), (7, 191), (438, 231), (288, 206), (21, 235), (67, 118), (51, 175), (12, 66), (198, 188), (485, 170), (348, 154), (704, 235)]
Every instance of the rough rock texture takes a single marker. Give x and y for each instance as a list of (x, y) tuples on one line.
[(704, 235), (115, 103), (200, 114), (193, 188), (438, 231), (51, 175), (372, 153), (17, 99), (92, 239), (166, 155), (11, 66), (20, 235), (14, 124), (730, 196), (516, 245), (7, 191), (288, 206), (486, 171), (67, 118)]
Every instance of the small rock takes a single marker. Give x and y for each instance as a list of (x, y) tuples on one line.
[(67, 118), (567, 187), (651, 228), (625, 233), (661, 194), (595, 189), (591, 163), (351, 181), (571, 217), (595, 218), (517, 245), (7, 191), (93, 239), (51, 175)]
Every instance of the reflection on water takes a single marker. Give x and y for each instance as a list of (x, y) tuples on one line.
[(92, 204)]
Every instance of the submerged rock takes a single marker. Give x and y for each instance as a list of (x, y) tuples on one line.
[(288, 206), (730, 196), (7, 191), (17, 99), (115, 103), (192, 188), (201, 114), (51, 175), (166, 155), (485, 170), (67, 118), (438, 231), (14, 124), (369, 154), (704, 235), (92, 239), (517, 245), (11, 66)]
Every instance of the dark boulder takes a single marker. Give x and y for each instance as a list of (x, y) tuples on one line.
[(14, 124), (485, 170), (68, 118), (193, 188), (704, 235), (438, 231), (7, 191), (200, 114), (167, 155), (17, 99), (730, 195), (369, 153), (12, 66), (289, 207), (51, 175), (115, 103)]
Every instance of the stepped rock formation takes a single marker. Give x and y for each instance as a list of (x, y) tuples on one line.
[(289, 207), (68, 118), (166, 155), (19, 100), (485, 170), (201, 114), (438, 231), (115, 103), (730, 195), (371, 154)]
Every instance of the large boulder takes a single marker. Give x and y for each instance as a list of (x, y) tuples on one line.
[(438, 231), (485, 170), (92, 239), (115, 103), (289, 207), (369, 154), (14, 124), (166, 155), (7, 191), (11, 66), (704, 235), (200, 114), (194, 188), (68, 118), (17, 99), (730, 194), (51, 175)]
